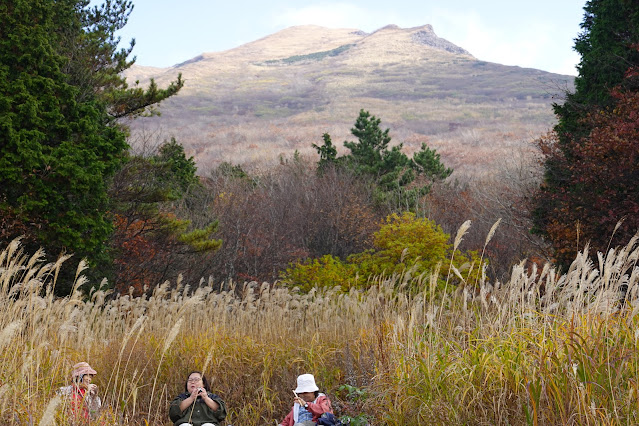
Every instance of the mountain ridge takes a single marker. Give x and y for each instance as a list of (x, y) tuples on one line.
[(280, 93), (313, 38)]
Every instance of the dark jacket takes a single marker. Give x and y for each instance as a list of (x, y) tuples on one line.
[(202, 413)]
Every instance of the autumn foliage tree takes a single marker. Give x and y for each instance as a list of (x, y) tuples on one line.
[(153, 239), (571, 208), (599, 203), (270, 219)]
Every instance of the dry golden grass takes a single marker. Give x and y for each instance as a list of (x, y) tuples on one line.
[(542, 348)]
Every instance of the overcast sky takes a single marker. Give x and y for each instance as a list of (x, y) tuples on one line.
[(533, 33)]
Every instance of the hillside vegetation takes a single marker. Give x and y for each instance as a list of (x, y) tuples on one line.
[(279, 94)]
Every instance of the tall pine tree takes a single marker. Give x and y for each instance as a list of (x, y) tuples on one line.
[(398, 181)]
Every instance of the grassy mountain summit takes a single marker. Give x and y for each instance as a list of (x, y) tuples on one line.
[(280, 93)]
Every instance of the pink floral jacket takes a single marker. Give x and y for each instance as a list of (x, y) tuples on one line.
[(318, 407)]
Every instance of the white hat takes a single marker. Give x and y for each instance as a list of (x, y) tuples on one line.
[(306, 383)]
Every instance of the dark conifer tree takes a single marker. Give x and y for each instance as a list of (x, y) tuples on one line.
[(60, 142), (393, 174)]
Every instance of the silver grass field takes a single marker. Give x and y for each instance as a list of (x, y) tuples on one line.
[(542, 348)]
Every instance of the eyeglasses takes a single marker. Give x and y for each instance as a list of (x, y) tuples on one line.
[(194, 380)]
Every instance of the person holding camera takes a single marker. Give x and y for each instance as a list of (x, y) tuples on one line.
[(197, 406), (82, 395), (310, 407)]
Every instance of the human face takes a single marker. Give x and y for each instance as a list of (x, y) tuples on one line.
[(86, 379), (194, 382), (307, 396)]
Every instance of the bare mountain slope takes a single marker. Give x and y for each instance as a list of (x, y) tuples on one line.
[(279, 94)]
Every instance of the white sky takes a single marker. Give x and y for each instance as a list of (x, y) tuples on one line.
[(529, 33)]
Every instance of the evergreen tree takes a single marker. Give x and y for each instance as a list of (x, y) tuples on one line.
[(370, 155), (327, 152), (427, 162), (60, 97), (180, 170), (88, 41), (610, 29), (387, 167)]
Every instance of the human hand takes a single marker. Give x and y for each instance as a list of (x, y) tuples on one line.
[(93, 389), (196, 392), (300, 401)]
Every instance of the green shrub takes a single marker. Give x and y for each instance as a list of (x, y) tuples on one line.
[(327, 271), (403, 243)]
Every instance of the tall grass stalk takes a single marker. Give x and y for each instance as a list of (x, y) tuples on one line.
[(458, 239), (167, 344), (48, 418)]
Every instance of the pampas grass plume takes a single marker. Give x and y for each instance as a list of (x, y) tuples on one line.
[(8, 332), (172, 335), (491, 233), (48, 418), (460, 234)]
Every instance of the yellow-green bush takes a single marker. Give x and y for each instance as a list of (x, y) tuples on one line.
[(403, 243), (327, 272)]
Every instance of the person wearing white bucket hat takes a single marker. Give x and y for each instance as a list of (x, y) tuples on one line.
[(308, 404)]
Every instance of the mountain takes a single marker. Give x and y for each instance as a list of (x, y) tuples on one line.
[(279, 94)]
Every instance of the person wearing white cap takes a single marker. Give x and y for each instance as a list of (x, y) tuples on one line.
[(83, 395), (308, 405)]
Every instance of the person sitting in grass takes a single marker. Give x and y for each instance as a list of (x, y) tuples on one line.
[(308, 405), (84, 401), (197, 406)]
